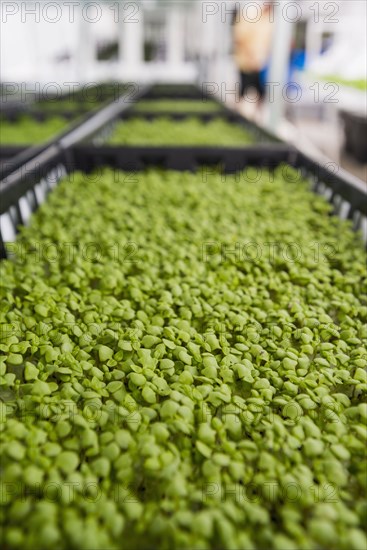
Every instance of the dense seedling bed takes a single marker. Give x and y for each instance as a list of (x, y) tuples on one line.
[(178, 105), (167, 131), (172, 381), (28, 130)]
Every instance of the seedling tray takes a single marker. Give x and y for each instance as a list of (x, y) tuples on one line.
[(124, 109), (345, 193), (60, 108), (42, 115), (86, 122), (99, 93), (174, 91), (259, 134)]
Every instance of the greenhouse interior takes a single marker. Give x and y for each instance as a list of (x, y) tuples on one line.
[(183, 242)]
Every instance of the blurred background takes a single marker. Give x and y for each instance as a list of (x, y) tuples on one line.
[(312, 66)]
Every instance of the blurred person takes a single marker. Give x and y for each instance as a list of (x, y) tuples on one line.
[(252, 33)]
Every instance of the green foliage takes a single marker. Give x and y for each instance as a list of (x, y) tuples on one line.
[(359, 84), (162, 390), (66, 105), (190, 131), (29, 131)]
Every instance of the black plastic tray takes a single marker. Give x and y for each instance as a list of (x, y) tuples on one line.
[(347, 194), (83, 121), (41, 115), (229, 159), (175, 91), (98, 132), (100, 93), (205, 117), (355, 132), (10, 151), (259, 134)]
